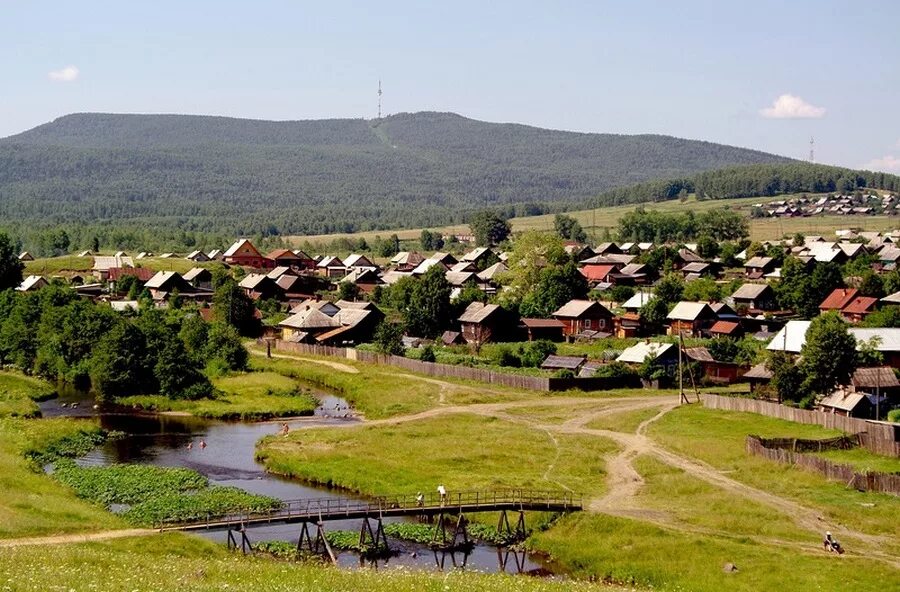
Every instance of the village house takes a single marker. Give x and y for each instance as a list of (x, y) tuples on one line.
[(881, 381), (579, 316), (406, 261), (714, 370), (859, 308), (690, 319), (536, 329), (847, 402), (25, 256), (244, 254), (199, 277), (259, 286), (726, 329), (597, 274), (757, 267), (481, 258), (32, 283), (355, 261), (198, 256), (164, 283), (331, 267), (481, 323), (364, 278), (664, 355), (755, 297), (287, 258), (838, 299)]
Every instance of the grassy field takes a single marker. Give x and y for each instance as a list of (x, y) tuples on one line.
[(19, 393), (626, 421), (718, 438), (177, 562), (73, 263), (863, 460), (663, 559), (33, 504), (462, 451), (248, 396), (599, 220)]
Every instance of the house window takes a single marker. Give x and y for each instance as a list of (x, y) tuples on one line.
[(601, 323), (587, 323)]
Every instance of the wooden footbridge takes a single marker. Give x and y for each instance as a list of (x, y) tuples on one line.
[(446, 512)]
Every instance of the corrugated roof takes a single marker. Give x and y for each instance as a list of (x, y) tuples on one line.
[(237, 245), (160, 279), (252, 280), (888, 338), (696, 267), (759, 262), (543, 323), (478, 312), (458, 278), (475, 254), (194, 272), (575, 308), (838, 299), (843, 400), (790, 338), (750, 291), (724, 327), (636, 354), (493, 271), (554, 362), (310, 319), (597, 272), (892, 298), (759, 372), (638, 300), (699, 354), (860, 305), (881, 377), (690, 311)]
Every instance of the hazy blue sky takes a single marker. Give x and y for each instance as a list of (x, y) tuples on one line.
[(708, 70)]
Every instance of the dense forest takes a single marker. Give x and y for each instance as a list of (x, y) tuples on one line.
[(195, 179), (759, 180)]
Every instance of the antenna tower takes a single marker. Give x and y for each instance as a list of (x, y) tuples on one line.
[(812, 146), (379, 98)]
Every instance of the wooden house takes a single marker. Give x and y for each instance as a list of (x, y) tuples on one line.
[(726, 329), (480, 323), (755, 297), (838, 299), (757, 267), (536, 329), (199, 277), (714, 370), (259, 286), (244, 254), (847, 402), (287, 258), (571, 363), (581, 315), (164, 283), (32, 283), (691, 319), (859, 308), (198, 256)]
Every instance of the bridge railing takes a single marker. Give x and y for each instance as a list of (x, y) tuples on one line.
[(314, 509)]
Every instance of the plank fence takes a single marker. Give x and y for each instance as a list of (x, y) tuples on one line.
[(534, 383), (790, 451), (880, 437)]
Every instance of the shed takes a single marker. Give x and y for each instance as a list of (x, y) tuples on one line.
[(550, 329), (554, 362)]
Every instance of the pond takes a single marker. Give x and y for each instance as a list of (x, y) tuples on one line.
[(229, 459)]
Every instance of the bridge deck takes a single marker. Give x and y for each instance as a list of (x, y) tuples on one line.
[(323, 510)]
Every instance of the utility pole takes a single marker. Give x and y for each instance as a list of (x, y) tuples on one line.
[(379, 98)]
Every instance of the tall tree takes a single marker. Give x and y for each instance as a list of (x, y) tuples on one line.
[(10, 266), (429, 308), (829, 353), (569, 228), (489, 228), (233, 307)]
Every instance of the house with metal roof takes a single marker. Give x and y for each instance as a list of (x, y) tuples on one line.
[(690, 319), (755, 297), (584, 315), (481, 323)]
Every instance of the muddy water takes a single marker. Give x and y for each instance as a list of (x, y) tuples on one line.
[(228, 459)]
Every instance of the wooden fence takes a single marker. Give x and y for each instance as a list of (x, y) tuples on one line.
[(534, 383), (880, 437), (786, 450)]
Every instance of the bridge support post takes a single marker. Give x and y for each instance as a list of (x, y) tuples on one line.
[(440, 532), (460, 530), (374, 537), (503, 527), (246, 547), (518, 559), (305, 538), (231, 542), (521, 531), (322, 540)]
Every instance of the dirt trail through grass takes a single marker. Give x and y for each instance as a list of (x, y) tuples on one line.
[(65, 539), (336, 365)]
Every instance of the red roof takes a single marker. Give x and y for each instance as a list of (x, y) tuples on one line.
[(724, 327), (282, 254), (543, 323), (597, 272), (141, 273), (838, 299), (860, 305)]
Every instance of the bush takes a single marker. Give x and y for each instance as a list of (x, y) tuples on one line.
[(615, 370), (427, 354), (534, 353), (565, 373), (504, 356), (894, 416)]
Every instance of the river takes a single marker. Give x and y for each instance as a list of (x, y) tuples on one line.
[(229, 459)]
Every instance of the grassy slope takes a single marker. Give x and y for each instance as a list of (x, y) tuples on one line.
[(176, 562), (246, 396), (462, 451), (19, 393), (718, 438), (73, 263), (863, 460), (32, 504)]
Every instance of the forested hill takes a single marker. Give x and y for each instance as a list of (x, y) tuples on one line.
[(237, 176)]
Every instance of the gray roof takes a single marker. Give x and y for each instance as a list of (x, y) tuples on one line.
[(310, 318), (554, 362), (638, 300), (192, 274), (478, 312), (493, 271), (689, 311), (888, 338), (636, 354), (750, 291), (875, 378), (843, 400), (160, 279), (576, 308), (759, 262)]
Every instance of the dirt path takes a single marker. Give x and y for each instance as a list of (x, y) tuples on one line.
[(63, 539), (336, 365)]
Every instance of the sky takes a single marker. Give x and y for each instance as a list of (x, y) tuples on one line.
[(760, 74)]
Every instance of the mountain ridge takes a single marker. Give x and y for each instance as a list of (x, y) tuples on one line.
[(249, 176)]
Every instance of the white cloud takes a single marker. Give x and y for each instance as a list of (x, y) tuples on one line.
[(67, 74), (792, 107), (885, 163)]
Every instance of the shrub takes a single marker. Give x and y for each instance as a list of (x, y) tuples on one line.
[(534, 353), (615, 370), (427, 354), (504, 356)]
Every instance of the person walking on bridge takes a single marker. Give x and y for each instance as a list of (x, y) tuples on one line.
[(442, 491)]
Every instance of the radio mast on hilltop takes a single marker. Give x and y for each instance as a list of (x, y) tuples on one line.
[(379, 98), (812, 145)]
